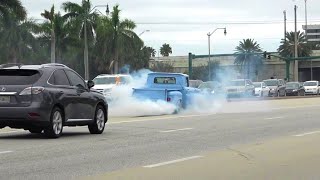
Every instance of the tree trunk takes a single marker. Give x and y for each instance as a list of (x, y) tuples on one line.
[(86, 53), (53, 46)]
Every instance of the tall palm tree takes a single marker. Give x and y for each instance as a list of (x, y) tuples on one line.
[(12, 6), (122, 37), (245, 56), (50, 16), (165, 50), (61, 39), (82, 14), (286, 49), (17, 38)]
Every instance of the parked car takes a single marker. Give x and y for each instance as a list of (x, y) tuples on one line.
[(195, 83), (277, 87), (261, 89), (171, 87), (311, 87), (240, 88), (105, 83), (295, 89), (211, 87), (47, 97)]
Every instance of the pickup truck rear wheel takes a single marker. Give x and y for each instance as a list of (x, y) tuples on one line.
[(179, 107)]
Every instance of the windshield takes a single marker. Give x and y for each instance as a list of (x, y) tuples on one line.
[(310, 84), (104, 80), (257, 85), (271, 82), (237, 83), (292, 85)]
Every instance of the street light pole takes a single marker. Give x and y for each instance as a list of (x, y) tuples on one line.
[(285, 24), (296, 65), (86, 51), (209, 48), (306, 33), (144, 32)]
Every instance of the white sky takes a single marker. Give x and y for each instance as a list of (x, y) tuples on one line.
[(184, 23)]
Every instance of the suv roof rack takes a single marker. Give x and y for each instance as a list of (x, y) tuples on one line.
[(54, 64), (10, 65)]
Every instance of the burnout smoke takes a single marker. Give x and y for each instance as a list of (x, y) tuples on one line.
[(124, 104)]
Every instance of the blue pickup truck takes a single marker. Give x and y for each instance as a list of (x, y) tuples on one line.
[(171, 87)]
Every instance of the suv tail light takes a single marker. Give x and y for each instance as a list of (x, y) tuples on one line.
[(31, 90)]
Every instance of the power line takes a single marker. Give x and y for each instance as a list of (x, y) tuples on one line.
[(223, 23)]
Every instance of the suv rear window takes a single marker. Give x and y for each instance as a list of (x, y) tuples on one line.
[(18, 76)]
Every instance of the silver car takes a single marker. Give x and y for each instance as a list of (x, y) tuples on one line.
[(240, 88)]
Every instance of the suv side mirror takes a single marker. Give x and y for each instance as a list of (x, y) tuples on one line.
[(90, 84)]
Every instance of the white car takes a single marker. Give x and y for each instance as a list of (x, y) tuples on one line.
[(105, 83), (261, 89), (311, 87)]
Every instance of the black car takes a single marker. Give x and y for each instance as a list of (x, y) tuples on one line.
[(47, 97), (295, 89)]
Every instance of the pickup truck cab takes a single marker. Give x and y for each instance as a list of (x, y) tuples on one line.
[(170, 87)]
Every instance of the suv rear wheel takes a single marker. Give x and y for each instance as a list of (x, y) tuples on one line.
[(54, 130), (97, 127)]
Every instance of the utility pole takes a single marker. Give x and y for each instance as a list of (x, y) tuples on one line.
[(296, 66), (209, 62), (285, 25), (306, 33)]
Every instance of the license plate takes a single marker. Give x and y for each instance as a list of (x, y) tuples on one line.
[(4, 99)]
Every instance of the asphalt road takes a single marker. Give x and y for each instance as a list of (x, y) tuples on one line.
[(138, 142)]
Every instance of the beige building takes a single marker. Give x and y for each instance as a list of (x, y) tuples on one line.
[(273, 67)]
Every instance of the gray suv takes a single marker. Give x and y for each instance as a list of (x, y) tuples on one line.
[(47, 97), (277, 87)]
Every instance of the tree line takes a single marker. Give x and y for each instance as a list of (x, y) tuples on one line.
[(81, 37)]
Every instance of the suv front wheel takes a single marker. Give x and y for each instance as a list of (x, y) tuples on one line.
[(97, 127), (54, 130)]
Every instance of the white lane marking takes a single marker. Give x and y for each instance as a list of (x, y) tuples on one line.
[(8, 132), (280, 117), (305, 134), (175, 130), (294, 107), (161, 118), (5, 152), (172, 162)]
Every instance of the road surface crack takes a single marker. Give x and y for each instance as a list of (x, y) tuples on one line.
[(242, 154)]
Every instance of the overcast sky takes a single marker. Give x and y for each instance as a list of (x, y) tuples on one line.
[(184, 23)]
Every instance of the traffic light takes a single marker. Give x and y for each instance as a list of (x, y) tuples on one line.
[(265, 54)]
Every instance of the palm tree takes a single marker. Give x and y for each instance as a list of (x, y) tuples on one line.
[(122, 37), (50, 16), (12, 6), (245, 56), (286, 49), (61, 39), (165, 50), (82, 14), (151, 51), (17, 38)]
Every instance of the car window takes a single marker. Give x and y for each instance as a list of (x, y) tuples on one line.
[(75, 79), (164, 80), (18, 76), (59, 78)]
